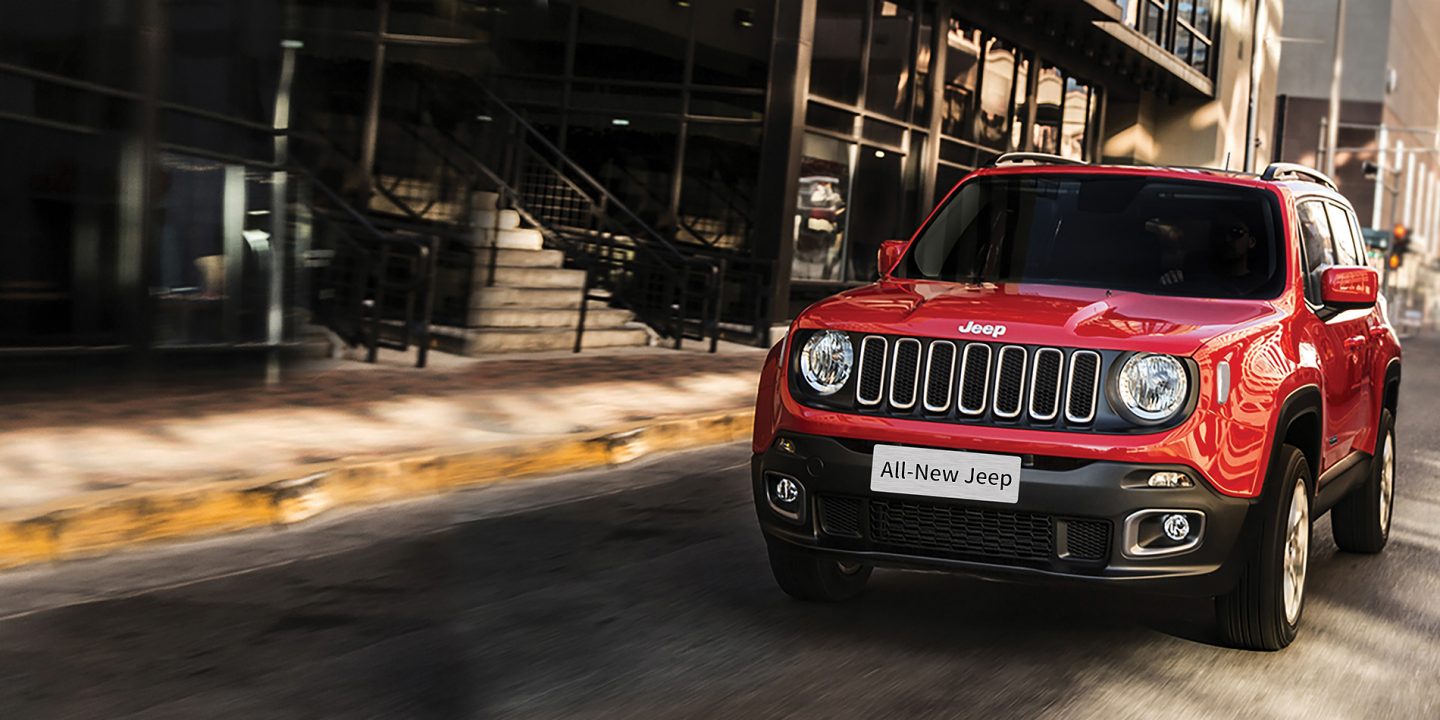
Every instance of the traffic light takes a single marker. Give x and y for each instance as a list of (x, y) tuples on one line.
[(1399, 245), (1402, 240)]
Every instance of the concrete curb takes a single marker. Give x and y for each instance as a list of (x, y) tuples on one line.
[(97, 523)]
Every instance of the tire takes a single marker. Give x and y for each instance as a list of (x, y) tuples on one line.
[(1263, 611), (1361, 523), (804, 576)]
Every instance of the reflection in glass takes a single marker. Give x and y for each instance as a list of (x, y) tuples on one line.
[(992, 124), (887, 88), (820, 209), (962, 70), (922, 71), (1075, 120), (1049, 91), (1021, 103)]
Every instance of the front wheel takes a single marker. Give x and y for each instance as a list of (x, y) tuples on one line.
[(804, 576), (1361, 522), (1263, 611)]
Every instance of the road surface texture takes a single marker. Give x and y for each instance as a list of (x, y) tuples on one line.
[(643, 592)]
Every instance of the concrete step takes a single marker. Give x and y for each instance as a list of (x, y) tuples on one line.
[(518, 239), (523, 317), (488, 341), (501, 296), (519, 258), (484, 200), (497, 219), (539, 277)]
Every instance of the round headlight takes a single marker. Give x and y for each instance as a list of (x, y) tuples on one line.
[(825, 361), (1153, 387)]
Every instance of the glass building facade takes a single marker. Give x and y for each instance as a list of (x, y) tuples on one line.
[(143, 137)]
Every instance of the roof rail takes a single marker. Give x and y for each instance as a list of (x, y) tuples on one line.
[(1279, 170), (1037, 158)]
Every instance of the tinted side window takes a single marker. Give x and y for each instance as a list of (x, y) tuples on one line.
[(1319, 253), (1344, 238)]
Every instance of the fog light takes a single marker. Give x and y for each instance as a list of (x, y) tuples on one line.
[(1176, 526), (785, 494), (787, 491), (1170, 479), (785, 445)]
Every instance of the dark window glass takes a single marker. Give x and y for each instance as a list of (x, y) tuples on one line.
[(922, 68), (1202, 16), (634, 160), (962, 79), (613, 47), (1183, 42), (732, 42), (722, 166), (882, 132), (993, 125), (1152, 22), (818, 115), (888, 84), (1201, 59), (1315, 232), (820, 215), (1049, 99), (839, 34), (527, 37), (1136, 234), (877, 201)]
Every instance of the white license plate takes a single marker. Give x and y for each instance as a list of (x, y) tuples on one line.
[(945, 473)]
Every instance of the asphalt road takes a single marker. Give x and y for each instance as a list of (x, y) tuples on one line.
[(643, 592)]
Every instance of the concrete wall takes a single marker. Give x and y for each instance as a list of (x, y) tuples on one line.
[(1203, 131), (1309, 48)]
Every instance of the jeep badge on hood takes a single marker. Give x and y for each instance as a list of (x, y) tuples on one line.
[(994, 331)]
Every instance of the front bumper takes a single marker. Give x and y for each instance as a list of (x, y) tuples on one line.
[(1068, 524)]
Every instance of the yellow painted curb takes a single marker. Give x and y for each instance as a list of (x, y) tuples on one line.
[(102, 522)]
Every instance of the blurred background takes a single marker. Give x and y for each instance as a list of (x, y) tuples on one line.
[(264, 260), (240, 174)]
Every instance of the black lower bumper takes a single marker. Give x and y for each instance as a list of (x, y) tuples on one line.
[(1069, 523)]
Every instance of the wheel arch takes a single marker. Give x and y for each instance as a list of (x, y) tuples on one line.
[(1299, 423)]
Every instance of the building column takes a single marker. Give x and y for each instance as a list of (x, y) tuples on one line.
[(780, 148)]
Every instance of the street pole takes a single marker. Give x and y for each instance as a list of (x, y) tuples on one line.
[(1332, 129), (1384, 139), (1251, 115)]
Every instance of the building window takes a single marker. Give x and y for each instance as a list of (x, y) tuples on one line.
[(996, 93), (820, 209), (962, 70), (839, 39), (1049, 100), (1185, 28), (1076, 121), (889, 80)]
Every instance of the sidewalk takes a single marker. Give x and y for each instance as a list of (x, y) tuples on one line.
[(106, 467)]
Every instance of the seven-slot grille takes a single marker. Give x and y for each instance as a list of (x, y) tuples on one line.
[(971, 380)]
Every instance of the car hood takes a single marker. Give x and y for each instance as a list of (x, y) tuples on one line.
[(1036, 314)]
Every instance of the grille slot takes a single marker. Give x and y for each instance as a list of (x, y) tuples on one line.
[(1084, 539), (1009, 381), (905, 373), (870, 382), (1082, 388), (975, 378), (1045, 384), (978, 532), (840, 516), (939, 375)]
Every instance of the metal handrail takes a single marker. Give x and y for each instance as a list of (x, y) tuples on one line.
[(544, 142)]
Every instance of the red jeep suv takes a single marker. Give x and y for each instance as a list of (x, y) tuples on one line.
[(1142, 376)]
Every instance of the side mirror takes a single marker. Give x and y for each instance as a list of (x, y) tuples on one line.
[(1349, 287), (889, 256)]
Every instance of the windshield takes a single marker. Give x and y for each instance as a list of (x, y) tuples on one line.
[(1139, 234)]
